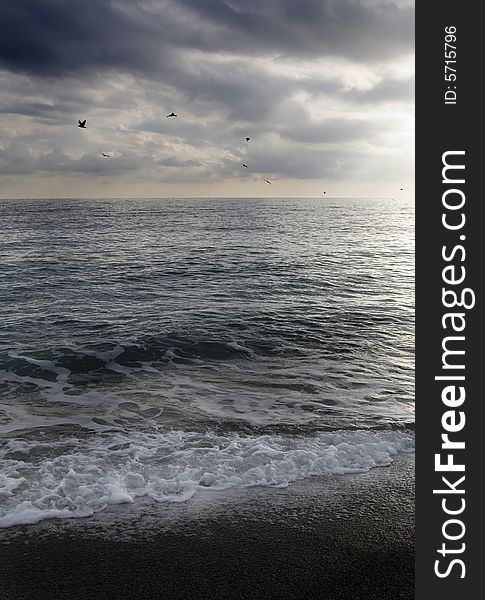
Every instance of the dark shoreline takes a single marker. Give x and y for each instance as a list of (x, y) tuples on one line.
[(341, 538)]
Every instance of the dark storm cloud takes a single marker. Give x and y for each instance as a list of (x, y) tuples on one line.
[(63, 36), (349, 28), (150, 39), (302, 78)]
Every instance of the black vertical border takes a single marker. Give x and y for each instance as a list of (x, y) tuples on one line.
[(440, 128)]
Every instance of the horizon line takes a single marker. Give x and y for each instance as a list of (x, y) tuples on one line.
[(206, 198)]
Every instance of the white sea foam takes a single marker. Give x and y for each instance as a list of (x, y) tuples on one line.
[(78, 477), (258, 392)]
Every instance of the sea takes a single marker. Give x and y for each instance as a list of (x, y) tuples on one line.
[(156, 349)]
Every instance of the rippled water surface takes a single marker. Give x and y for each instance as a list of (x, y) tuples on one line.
[(172, 339)]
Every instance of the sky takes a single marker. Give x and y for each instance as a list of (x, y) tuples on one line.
[(324, 89)]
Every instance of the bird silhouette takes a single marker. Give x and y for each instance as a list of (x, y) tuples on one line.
[(267, 181), (324, 192), (247, 139), (82, 124), (245, 166), (106, 155), (402, 189), (172, 114)]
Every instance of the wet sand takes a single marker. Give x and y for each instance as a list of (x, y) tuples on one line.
[(336, 538)]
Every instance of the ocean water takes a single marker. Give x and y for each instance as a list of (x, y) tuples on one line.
[(162, 347)]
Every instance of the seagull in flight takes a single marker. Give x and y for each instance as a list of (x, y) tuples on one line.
[(267, 181), (82, 124), (172, 114), (247, 139), (106, 155), (244, 165)]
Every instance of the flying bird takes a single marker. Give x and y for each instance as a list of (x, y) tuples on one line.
[(172, 114), (82, 124), (247, 139), (402, 189), (106, 155), (267, 181), (245, 166)]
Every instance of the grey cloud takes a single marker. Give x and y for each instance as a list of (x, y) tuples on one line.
[(141, 59), (247, 92), (387, 90), (200, 136), (334, 131), (173, 161), (303, 162), (347, 28), (18, 159), (15, 158), (31, 109), (61, 36), (90, 163), (168, 127)]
